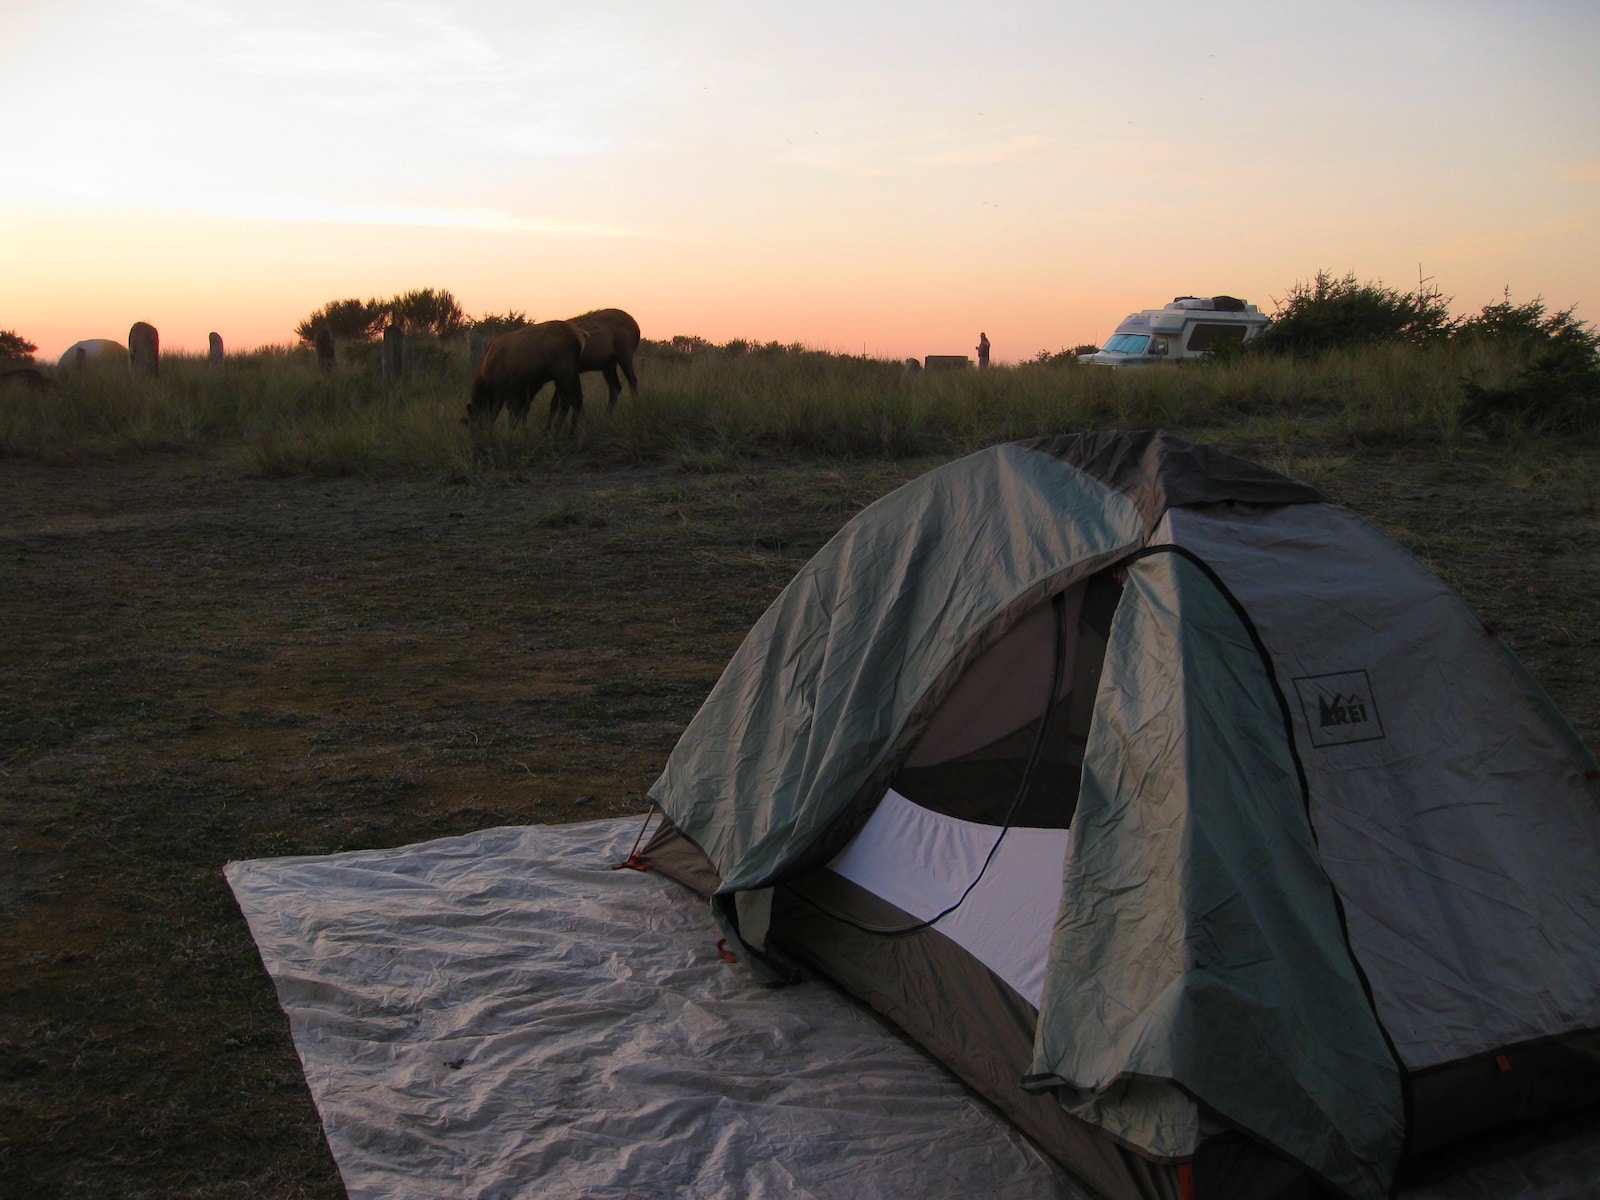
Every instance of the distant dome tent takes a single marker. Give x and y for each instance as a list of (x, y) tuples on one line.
[(94, 352), (1179, 811)]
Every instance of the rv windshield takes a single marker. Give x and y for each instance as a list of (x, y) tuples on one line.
[(1127, 343)]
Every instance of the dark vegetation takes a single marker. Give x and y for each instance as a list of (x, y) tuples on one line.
[(1558, 386), (423, 310), (1330, 313), (14, 348), (1555, 384)]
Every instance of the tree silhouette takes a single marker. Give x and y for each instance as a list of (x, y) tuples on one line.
[(1333, 313), (348, 320), (15, 348), (426, 310), (422, 310), (494, 324)]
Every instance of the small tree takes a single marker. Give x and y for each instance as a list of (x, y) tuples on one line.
[(425, 310), (1528, 327), (347, 320), (15, 348), (1335, 313), (1558, 388), (494, 324), (1056, 358)]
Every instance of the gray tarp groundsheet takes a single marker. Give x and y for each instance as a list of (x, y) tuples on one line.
[(501, 1014)]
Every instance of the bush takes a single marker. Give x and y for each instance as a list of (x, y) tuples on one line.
[(1336, 314), (1060, 358), (15, 348), (422, 310), (1557, 389), (684, 347), (1527, 327), (425, 310), (347, 320), (494, 324)]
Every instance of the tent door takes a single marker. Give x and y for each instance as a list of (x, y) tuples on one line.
[(970, 761)]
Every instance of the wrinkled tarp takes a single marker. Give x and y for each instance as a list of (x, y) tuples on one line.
[(502, 1014)]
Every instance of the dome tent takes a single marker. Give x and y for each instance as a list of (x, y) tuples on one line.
[(1181, 813)]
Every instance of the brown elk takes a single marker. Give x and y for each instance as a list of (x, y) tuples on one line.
[(517, 364)]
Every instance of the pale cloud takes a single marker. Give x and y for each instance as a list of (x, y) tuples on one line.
[(350, 44), (343, 93), (424, 67), (314, 210), (851, 162), (306, 209), (1016, 149), (885, 153)]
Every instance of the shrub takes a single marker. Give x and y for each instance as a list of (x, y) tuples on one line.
[(347, 320), (1332, 314), (15, 348), (422, 310), (684, 347), (1526, 327), (425, 310), (1059, 358), (1558, 386), (494, 324)]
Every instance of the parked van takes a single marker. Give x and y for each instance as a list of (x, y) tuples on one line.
[(1189, 328)]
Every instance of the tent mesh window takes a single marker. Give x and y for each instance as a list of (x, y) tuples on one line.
[(972, 760)]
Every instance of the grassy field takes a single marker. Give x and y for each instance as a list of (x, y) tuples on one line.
[(262, 611), (272, 412)]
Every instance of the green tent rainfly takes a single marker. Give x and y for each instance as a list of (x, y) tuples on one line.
[(1179, 811)]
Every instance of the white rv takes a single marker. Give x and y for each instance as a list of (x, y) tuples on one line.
[(1189, 328)]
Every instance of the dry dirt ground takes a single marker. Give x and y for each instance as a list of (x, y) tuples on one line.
[(196, 667)]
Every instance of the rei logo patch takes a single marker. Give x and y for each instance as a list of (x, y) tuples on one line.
[(1339, 709)]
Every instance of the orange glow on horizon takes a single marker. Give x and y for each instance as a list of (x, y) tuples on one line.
[(889, 191)]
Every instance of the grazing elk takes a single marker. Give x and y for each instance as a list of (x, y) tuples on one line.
[(517, 364)]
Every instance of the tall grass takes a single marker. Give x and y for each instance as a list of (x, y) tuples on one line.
[(274, 412)]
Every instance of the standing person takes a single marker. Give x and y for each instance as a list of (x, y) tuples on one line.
[(983, 350)]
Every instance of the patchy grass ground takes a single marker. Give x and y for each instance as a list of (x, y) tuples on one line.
[(196, 668)]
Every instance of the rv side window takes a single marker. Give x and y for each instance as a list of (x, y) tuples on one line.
[(1210, 336), (1127, 343)]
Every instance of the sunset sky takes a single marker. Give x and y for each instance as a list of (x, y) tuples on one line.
[(888, 178)]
